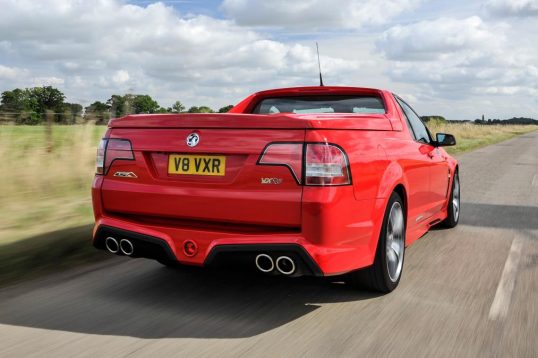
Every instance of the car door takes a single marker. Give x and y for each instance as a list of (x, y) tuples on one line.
[(439, 179), (435, 161)]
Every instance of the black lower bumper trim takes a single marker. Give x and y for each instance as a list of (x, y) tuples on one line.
[(144, 245), (306, 264), (158, 249)]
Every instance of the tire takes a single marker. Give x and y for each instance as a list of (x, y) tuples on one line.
[(384, 275), (454, 204)]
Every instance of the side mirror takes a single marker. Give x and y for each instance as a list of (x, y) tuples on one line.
[(445, 140)]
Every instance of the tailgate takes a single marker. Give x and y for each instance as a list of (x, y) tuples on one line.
[(216, 182)]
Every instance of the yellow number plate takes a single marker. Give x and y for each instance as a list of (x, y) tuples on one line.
[(197, 164)]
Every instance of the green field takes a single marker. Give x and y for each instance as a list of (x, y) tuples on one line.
[(45, 200), (45, 184), (471, 136)]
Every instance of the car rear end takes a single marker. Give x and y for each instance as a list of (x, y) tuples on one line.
[(270, 190)]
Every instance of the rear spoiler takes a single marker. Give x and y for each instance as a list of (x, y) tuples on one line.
[(255, 121)]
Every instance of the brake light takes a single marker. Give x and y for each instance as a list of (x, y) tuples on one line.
[(112, 149), (326, 164), (284, 154)]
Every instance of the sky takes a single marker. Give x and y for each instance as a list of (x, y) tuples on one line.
[(459, 59)]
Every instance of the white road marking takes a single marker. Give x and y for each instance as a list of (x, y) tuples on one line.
[(503, 296), (535, 180)]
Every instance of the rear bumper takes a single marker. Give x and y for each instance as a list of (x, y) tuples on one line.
[(155, 248), (338, 234), (166, 243)]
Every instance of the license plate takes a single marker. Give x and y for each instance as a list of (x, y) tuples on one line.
[(197, 164)]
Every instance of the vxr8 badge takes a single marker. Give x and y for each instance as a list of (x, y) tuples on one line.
[(125, 175), (271, 180)]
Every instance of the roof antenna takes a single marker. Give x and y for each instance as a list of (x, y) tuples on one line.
[(319, 66)]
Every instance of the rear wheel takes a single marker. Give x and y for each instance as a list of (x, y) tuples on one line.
[(384, 275), (454, 204)]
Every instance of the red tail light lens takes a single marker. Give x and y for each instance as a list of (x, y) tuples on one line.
[(284, 154), (326, 164), (110, 150)]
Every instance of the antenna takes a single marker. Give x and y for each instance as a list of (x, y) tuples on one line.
[(319, 66)]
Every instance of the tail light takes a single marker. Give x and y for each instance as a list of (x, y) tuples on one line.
[(284, 154), (324, 164), (111, 149)]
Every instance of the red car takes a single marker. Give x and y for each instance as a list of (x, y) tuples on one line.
[(298, 181)]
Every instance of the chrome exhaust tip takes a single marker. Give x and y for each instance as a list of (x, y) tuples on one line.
[(112, 245), (285, 265), (126, 247), (265, 263)]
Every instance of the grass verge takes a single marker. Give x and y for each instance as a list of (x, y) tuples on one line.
[(471, 136)]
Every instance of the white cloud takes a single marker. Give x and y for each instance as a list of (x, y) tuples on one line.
[(315, 14), (121, 76), (460, 59), (433, 39), (115, 47), (47, 81), (517, 8), (11, 73)]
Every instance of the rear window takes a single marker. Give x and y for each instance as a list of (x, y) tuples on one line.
[(321, 104)]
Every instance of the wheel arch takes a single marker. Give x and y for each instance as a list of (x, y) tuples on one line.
[(402, 192), (400, 188)]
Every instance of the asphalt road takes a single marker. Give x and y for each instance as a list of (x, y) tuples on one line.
[(467, 292)]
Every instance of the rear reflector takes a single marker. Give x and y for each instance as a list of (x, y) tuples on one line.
[(324, 164), (190, 248), (110, 150)]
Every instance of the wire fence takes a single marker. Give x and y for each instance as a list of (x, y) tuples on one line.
[(53, 118)]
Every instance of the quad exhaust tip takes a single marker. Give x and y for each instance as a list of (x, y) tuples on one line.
[(112, 245), (285, 265), (265, 263), (126, 247)]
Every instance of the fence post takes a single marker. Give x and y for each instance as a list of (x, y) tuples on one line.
[(48, 130)]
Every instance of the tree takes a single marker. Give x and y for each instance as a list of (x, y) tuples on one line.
[(13, 101), (205, 109), (130, 103), (118, 106), (225, 108), (145, 104), (28, 106), (70, 113), (98, 111), (178, 107), (48, 98)]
